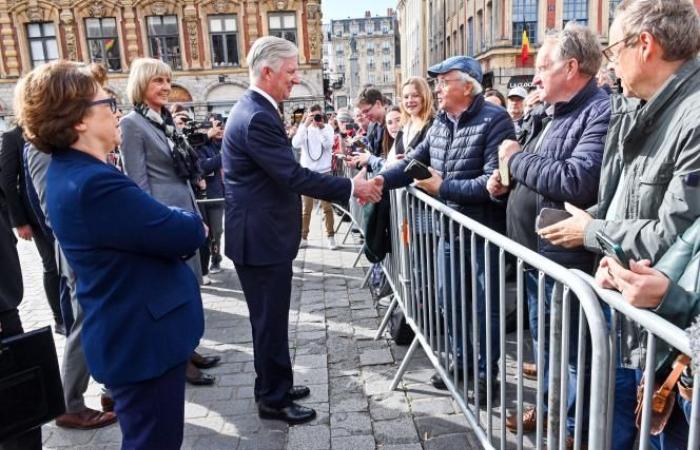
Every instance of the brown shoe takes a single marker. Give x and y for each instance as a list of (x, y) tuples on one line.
[(530, 371), (87, 419), (107, 403), (529, 421)]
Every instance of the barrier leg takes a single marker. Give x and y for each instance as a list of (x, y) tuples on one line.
[(365, 280), (404, 364), (347, 233), (387, 316)]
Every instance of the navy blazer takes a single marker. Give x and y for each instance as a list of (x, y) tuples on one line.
[(143, 311), (262, 183)]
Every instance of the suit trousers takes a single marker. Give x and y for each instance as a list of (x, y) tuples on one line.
[(45, 246), (152, 412), (267, 291), (306, 217)]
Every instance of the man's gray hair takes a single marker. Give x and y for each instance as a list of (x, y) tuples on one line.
[(578, 42), (476, 86), (674, 23), (269, 51)]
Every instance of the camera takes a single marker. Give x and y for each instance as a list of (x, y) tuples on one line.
[(318, 117), (194, 133)]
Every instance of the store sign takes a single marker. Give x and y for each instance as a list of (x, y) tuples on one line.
[(520, 81)]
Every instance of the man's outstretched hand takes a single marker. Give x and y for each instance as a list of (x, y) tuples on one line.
[(367, 190)]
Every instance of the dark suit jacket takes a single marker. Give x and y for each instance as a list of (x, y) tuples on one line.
[(11, 288), (143, 311), (262, 185), (12, 180)]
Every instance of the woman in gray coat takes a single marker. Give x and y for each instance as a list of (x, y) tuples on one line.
[(159, 159)]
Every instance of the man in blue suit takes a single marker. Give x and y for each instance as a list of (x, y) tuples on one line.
[(263, 183)]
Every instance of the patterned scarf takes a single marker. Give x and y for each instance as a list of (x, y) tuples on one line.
[(184, 157)]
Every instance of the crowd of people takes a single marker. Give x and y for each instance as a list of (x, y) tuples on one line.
[(128, 212)]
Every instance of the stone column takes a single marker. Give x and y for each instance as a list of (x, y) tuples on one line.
[(131, 36), (10, 60)]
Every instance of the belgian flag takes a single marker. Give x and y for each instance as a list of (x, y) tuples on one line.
[(525, 49)]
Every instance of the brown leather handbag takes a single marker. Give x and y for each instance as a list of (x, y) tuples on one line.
[(663, 399)]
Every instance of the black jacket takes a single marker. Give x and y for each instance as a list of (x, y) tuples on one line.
[(11, 288), (12, 182)]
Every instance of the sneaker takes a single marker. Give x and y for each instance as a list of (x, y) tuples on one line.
[(304, 243), (331, 243), (215, 268), (205, 280)]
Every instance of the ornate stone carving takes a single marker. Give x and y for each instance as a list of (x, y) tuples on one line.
[(313, 20), (159, 8), (68, 22), (96, 9), (220, 6), (34, 13), (192, 31), (280, 5)]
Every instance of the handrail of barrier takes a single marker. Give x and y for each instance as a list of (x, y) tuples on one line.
[(658, 327)]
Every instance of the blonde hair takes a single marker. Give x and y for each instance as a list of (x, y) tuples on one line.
[(426, 113), (142, 71)]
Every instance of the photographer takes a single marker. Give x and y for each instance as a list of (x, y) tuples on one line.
[(315, 138), (212, 212)]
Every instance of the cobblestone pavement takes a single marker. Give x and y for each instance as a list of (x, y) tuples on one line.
[(332, 324)]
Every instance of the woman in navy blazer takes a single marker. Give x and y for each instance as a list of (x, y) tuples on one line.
[(143, 311)]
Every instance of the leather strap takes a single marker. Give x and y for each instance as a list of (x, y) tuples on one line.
[(666, 389)]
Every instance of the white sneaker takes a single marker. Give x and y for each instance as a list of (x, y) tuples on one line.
[(303, 243), (331, 243), (205, 280)]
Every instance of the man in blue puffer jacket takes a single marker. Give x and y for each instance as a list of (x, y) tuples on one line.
[(560, 163), (461, 148)]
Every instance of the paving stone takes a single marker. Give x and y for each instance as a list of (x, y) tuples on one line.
[(415, 446), (216, 442), (390, 405), (430, 407), (395, 431), (458, 441), (350, 423), (309, 437), (348, 402), (438, 425), (375, 357), (268, 440), (364, 442)]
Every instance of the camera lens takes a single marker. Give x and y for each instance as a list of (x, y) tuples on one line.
[(318, 117)]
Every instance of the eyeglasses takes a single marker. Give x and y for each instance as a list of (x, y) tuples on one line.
[(366, 111), (608, 51), (442, 83), (112, 102)]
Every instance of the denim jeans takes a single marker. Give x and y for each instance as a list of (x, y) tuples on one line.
[(445, 287), (531, 281), (675, 434)]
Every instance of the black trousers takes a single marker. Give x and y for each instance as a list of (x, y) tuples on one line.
[(45, 246), (267, 291), (213, 217), (31, 440)]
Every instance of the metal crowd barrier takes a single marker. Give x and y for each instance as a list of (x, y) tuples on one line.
[(657, 328)]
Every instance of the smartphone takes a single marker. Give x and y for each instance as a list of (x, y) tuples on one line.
[(358, 142), (340, 156), (417, 170), (504, 172), (612, 249), (549, 216)]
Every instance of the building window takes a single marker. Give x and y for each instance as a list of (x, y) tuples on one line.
[(470, 36), (386, 48), (576, 10), (284, 25), (377, 26), (164, 39), (103, 42), (341, 101), (386, 64), (340, 68), (42, 42), (370, 48), (524, 18), (370, 64), (371, 79), (480, 32), (339, 49), (224, 40), (370, 27), (362, 26), (611, 11), (346, 27)]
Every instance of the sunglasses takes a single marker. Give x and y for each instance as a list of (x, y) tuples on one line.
[(112, 102)]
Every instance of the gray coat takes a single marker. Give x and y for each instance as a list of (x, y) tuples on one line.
[(147, 160), (659, 144)]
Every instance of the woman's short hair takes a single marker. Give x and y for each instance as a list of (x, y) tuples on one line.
[(142, 71), (426, 113), (69, 84)]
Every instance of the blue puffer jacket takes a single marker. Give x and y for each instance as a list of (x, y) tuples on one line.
[(465, 157), (566, 167)]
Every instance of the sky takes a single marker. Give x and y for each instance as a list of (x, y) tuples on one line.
[(342, 9)]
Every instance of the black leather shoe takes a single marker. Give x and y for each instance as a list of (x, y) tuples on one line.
[(292, 414), (202, 380), (436, 379), (59, 328), (298, 392), (204, 362)]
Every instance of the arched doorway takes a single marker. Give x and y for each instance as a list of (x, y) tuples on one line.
[(178, 94)]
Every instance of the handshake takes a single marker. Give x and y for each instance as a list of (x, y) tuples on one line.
[(367, 191)]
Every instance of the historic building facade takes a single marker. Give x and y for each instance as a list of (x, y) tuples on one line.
[(363, 51), (204, 41)]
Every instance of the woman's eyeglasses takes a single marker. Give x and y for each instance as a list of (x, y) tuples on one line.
[(112, 102)]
